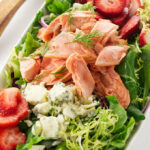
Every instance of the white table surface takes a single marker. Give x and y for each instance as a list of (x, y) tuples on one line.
[(12, 35)]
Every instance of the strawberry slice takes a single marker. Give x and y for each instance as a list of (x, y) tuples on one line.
[(9, 99), (120, 20), (144, 37), (13, 119), (130, 27), (81, 1), (134, 5), (10, 138), (110, 7)]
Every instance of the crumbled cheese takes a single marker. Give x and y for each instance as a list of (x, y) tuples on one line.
[(35, 94), (60, 92), (37, 128), (43, 108), (68, 112), (50, 127), (37, 147)]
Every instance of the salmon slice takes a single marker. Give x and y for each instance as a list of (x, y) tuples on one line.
[(30, 68), (107, 28), (62, 48), (110, 84), (53, 29), (67, 22), (70, 22), (40, 33), (50, 78), (81, 75), (111, 55)]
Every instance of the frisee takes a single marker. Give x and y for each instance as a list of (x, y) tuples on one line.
[(86, 39)]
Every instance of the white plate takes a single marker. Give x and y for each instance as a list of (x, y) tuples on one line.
[(12, 35)]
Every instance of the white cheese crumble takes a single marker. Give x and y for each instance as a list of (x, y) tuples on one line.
[(35, 94), (50, 127), (37, 128), (43, 108), (60, 92)]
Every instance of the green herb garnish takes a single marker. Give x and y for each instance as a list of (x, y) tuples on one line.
[(86, 39)]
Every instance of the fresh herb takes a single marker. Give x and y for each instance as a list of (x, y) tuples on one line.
[(70, 19), (86, 39), (58, 74)]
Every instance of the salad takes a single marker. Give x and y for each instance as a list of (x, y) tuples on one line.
[(80, 77)]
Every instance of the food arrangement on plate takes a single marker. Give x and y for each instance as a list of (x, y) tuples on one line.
[(80, 77)]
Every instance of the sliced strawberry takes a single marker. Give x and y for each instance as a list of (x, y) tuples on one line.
[(9, 99), (120, 20), (13, 119), (10, 138), (130, 27), (81, 1), (98, 16), (110, 7), (134, 5), (144, 37)]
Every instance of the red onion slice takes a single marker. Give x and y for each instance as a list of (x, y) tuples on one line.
[(42, 22), (146, 106)]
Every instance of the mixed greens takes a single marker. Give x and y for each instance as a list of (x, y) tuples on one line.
[(110, 126)]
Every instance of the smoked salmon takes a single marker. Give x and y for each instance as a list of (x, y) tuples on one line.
[(81, 75), (30, 68), (109, 84), (111, 55)]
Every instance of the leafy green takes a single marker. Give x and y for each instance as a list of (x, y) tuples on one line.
[(7, 81), (119, 140), (31, 140), (146, 67), (86, 39), (95, 134), (126, 70), (119, 110), (30, 45), (58, 6), (135, 112)]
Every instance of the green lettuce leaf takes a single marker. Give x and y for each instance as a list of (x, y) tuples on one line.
[(126, 70), (120, 139), (119, 110), (146, 67), (30, 45)]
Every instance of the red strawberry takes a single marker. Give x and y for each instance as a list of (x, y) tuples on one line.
[(130, 27), (134, 5), (128, 2), (144, 37), (98, 16), (80, 1), (9, 99), (10, 138), (13, 119), (120, 20), (110, 7)]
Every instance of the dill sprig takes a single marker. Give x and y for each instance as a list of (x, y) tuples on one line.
[(86, 39), (88, 7), (59, 74)]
